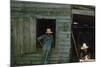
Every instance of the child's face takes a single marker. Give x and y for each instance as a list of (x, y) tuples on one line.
[(85, 50), (49, 34)]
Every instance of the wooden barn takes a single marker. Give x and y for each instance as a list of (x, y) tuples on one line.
[(30, 20)]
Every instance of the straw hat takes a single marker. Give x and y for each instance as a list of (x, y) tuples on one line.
[(48, 30), (84, 46)]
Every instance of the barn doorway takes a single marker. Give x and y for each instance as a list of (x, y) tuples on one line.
[(42, 25), (83, 31)]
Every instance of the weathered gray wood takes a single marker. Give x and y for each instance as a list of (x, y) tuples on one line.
[(83, 12), (13, 36), (63, 36), (26, 34), (20, 36), (32, 34), (38, 5)]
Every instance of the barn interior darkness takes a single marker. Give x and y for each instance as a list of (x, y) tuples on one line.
[(83, 30), (42, 25)]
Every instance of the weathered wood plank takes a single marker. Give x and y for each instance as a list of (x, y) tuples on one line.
[(20, 35), (32, 34), (13, 36), (26, 33)]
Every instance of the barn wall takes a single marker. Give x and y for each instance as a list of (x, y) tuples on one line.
[(23, 31)]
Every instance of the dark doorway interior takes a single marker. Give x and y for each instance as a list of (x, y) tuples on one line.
[(42, 25), (83, 29)]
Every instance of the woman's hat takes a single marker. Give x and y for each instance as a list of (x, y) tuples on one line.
[(84, 46), (48, 30)]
